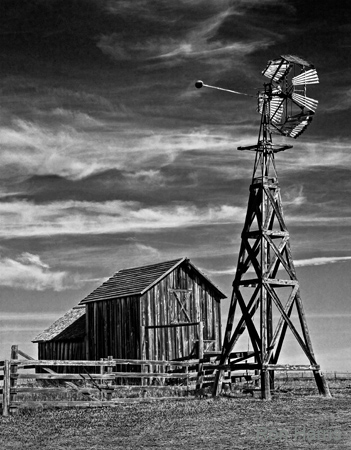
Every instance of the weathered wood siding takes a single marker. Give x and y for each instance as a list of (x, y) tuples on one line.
[(183, 297), (113, 328), (62, 350)]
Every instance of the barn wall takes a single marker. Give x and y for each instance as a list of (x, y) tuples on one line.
[(113, 328), (62, 350), (160, 307)]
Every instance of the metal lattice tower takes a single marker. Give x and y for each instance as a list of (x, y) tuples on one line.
[(265, 281)]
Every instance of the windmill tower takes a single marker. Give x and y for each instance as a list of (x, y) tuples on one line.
[(266, 291)]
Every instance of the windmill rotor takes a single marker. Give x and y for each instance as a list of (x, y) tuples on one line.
[(290, 110)]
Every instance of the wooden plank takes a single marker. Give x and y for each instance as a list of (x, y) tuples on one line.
[(22, 364), (100, 404), (13, 369), (119, 387), (61, 376), (6, 389), (66, 376), (173, 325), (200, 374), (291, 367)]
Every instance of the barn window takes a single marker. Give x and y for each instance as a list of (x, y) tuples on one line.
[(180, 306)]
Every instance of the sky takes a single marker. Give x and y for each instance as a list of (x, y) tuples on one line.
[(110, 158)]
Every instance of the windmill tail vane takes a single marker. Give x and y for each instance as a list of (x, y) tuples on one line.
[(266, 290)]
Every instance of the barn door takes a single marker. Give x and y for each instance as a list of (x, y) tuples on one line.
[(180, 306), (181, 310)]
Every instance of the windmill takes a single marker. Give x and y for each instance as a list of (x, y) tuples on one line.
[(266, 291)]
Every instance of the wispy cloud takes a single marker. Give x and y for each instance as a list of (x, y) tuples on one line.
[(195, 37), (318, 261), (328, 153), (27, 317), (21, 219), (29, 148), (321, 261)]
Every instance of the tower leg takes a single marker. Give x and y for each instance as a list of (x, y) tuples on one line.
[(265, 385), (322, 384)]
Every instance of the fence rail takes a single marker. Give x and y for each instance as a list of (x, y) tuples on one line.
[(148, 372), (192, 374)]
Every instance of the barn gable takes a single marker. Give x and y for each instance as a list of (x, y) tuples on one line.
[(138, 280)]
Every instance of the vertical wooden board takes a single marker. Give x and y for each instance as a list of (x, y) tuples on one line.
[(209, 316), (93, 354), (143, 303), (102, 319), (215, 322), (129, 329), (150, 331), (105, 311), (133, 323), (118, 330), (6, 389), (136, 327), (162, 319), (142, 324), (204, 318), (114, 327), (124, 323), (111, 331), (155, 294)]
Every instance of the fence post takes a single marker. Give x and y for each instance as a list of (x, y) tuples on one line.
[(143, 368), (109, 368), (13, 371), (6, 389), (102, 369), (187, 380), (200, 374)]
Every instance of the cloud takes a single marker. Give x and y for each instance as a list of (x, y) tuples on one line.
[(29, 148), (294, 196), (27, 317), (227, 271), (174, 34), (29, 272), (321, 261), (23, 219)]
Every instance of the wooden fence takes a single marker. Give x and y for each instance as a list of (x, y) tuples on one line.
[(151, 375), (97, 388)]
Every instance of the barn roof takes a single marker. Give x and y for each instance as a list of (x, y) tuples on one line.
[(68, 327), (138, 280)]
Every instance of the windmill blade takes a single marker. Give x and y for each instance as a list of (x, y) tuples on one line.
[(276, 69), (308, 77), (296, 125), (299, 129), (297, 60), (304, 101), (276, 106)]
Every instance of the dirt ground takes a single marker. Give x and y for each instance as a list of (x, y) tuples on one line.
[(303, 422)]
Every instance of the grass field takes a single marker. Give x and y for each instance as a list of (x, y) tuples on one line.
[(286, 422)]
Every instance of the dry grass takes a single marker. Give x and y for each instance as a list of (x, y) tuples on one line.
[(224, 423)]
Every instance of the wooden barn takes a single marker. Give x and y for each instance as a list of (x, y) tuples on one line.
[(150, 312), (65, 338)]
